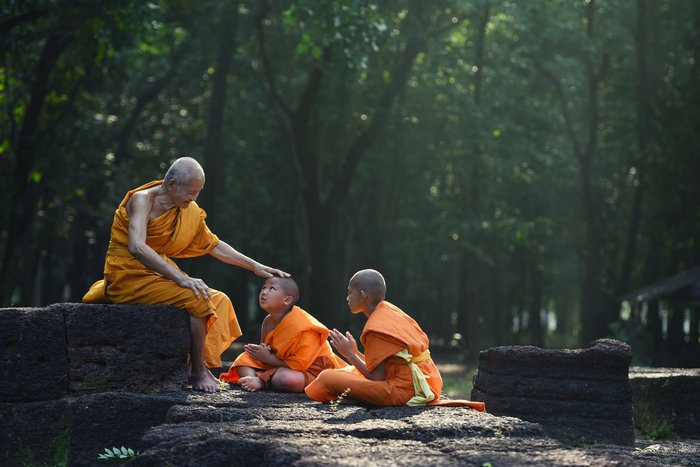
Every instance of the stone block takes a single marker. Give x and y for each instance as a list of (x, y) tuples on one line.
[(578, 394), (33, 360), (35, 433), (114, 419), (666, 401), (137, 348)]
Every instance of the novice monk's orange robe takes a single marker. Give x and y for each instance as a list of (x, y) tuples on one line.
[(411, 375), (300, 341), (177, 233)]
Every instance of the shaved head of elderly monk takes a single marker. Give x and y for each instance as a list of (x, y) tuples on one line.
[(154, 224)]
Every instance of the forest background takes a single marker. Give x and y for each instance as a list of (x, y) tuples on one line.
[(512, 167)]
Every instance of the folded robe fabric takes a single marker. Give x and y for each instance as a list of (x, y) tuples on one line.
[(177, 233), (391, 335), (299, 340)]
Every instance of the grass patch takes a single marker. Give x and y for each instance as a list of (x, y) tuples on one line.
[(457, 380)]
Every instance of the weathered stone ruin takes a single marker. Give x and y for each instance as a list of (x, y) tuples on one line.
[(76, 379), (73, 348), (666, 401), (581, 394), (73, 376)]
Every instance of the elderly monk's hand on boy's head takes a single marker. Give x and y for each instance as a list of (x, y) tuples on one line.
[(344, 343), (266, 271)]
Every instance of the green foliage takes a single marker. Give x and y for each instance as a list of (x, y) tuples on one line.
[(465, 187), (117, 453), (458, 385), (355, 28), (651, 423), (60, 448)]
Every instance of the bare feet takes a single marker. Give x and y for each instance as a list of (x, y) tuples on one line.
[(214, 379), (204, 381), (251, 383)]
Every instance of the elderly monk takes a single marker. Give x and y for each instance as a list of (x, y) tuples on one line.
[(293, 345), (396, 368), (159, 221)]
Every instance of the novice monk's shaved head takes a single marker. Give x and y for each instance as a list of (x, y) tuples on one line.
[(371, 282), (183, 170), (293, 344), (289, 286)]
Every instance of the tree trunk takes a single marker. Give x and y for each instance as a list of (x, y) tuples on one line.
[(320, 213), (470, 306), (674, 339), (640, 160), (594, 316), (25, 194), (535, 307), (694, 333), (470, 291), (654, 325), (213, 148)]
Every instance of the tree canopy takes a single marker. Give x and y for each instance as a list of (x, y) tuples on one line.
[(511, 167)]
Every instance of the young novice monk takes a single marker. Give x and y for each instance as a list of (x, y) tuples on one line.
[(396, 368), (293, 345)]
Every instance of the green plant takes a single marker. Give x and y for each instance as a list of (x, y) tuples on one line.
[(651, 420), (117, 453)]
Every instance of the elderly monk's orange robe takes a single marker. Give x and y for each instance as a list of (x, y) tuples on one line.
[(388, 332), (177, 233), (299, 340)]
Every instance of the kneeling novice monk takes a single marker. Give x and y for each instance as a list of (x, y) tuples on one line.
[(293, 345), (396, 368)]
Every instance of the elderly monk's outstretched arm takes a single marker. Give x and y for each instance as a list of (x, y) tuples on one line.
[(139, 208), (226, 253)]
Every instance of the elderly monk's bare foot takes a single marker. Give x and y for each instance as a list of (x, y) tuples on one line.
[(210, 376), (251, 383), (202, 381)]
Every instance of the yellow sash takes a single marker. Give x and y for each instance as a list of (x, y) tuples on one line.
[(420, 384)]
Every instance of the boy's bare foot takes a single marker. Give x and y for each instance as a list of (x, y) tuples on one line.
[(204, 381), (251, 383)]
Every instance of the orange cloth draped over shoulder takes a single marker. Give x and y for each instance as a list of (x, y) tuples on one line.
[(300, 341), (388, 331), (177, 233)]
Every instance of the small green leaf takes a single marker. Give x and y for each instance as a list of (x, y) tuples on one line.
[(34, 176)]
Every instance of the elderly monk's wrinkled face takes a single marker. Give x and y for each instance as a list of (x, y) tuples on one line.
[(354, 299), (184, 193), (272, 297)]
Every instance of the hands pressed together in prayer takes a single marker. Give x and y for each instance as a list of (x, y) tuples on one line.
[(345, 344), (261, 352)]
